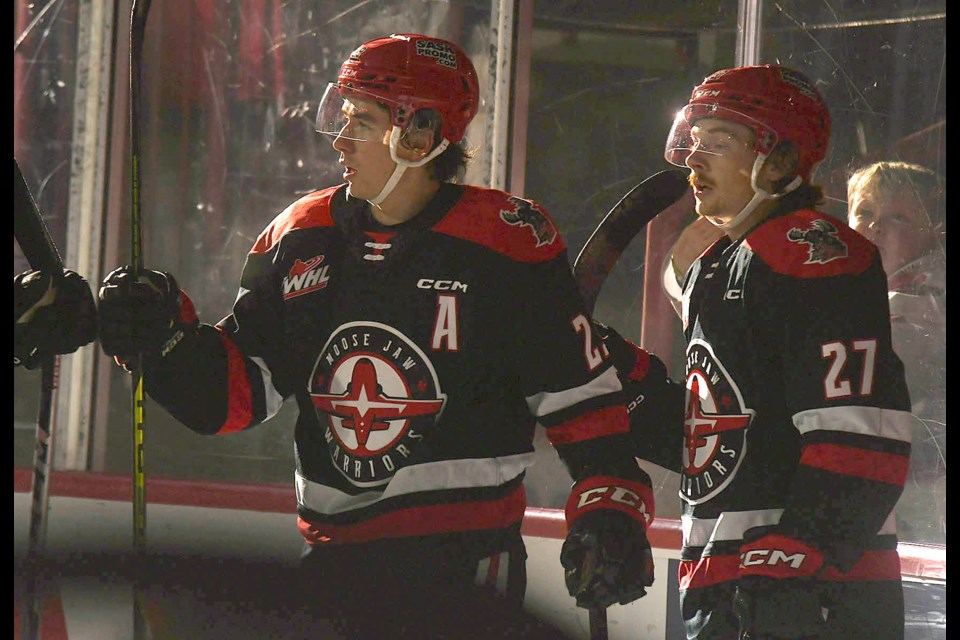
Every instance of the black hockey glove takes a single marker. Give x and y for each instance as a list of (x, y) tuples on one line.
[(606, 556), (776, 597), (149, 316), (655, 403), (51, 317)]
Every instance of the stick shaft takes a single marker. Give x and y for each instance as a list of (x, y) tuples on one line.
[(598, 623), (620, 226), (138, 22), (31, 231), (38, 247), (603, 248)]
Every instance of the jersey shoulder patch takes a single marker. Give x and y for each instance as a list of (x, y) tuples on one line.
[(513, 226), (312, 210), (811, 244)]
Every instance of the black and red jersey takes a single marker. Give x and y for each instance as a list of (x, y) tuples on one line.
[(797, 414), (421, 356)]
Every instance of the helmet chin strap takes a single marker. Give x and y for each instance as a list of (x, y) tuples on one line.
[(402, 165), (759, 195)]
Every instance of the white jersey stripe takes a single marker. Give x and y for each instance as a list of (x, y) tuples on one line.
[(545, 403), (493, 572), (871, 421), (731, 525), (272, 399), (430, 476)]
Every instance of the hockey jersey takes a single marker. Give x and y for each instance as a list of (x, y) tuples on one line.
[(797, 414), (421, 356)]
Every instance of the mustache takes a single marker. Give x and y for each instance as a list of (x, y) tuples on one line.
[(697, 181)]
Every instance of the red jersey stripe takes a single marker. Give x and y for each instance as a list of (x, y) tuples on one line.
[(603, 422), (240, 405), (874, 565), (312, 210), (851, 461), (708, 571), (422, 520)]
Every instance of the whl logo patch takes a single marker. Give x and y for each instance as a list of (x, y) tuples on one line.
[(305, 277)]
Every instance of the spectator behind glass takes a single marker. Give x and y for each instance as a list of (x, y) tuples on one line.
[(899, 206)]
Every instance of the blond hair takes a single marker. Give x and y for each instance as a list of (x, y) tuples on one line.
[(887, 177)]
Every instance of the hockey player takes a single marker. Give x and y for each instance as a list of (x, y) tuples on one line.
[(797, 426), (423, 328), (51, 318)]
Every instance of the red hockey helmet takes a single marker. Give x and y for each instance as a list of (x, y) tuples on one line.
[(777, 102), (409, 72)]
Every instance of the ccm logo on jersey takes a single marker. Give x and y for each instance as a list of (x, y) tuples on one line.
[(441, 285), (305, 277), (733, 294)]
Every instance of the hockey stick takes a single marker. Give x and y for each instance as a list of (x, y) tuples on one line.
[(621, 224), (598, 614), (34, 239), (598, 623), (612, 236), (138, 24), (31, 231)]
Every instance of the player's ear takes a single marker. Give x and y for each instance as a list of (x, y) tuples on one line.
[(421, 135), (415, 144), (782, 162)]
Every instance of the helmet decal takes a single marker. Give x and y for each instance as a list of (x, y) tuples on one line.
[(410, 72), (358, 52), (801, 82), (442, 52)]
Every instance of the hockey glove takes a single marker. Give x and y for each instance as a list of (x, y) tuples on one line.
[(606, 556), (149, 316), (631, 361), (776, 597), (51, 317), (655, 403)]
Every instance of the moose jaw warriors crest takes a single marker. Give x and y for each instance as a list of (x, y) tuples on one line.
[(714, 426), (376, 394)]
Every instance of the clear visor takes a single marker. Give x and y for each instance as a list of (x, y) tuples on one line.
[(683, 140), (347, 114)]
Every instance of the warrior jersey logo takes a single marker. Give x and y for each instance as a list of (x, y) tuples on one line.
[(376, 394), (822, 239), (526, 213), (714, 426)]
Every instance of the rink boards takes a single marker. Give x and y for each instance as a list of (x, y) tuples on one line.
[(212, 545)]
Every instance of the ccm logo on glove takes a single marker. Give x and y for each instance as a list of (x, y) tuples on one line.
[(602, 492)]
